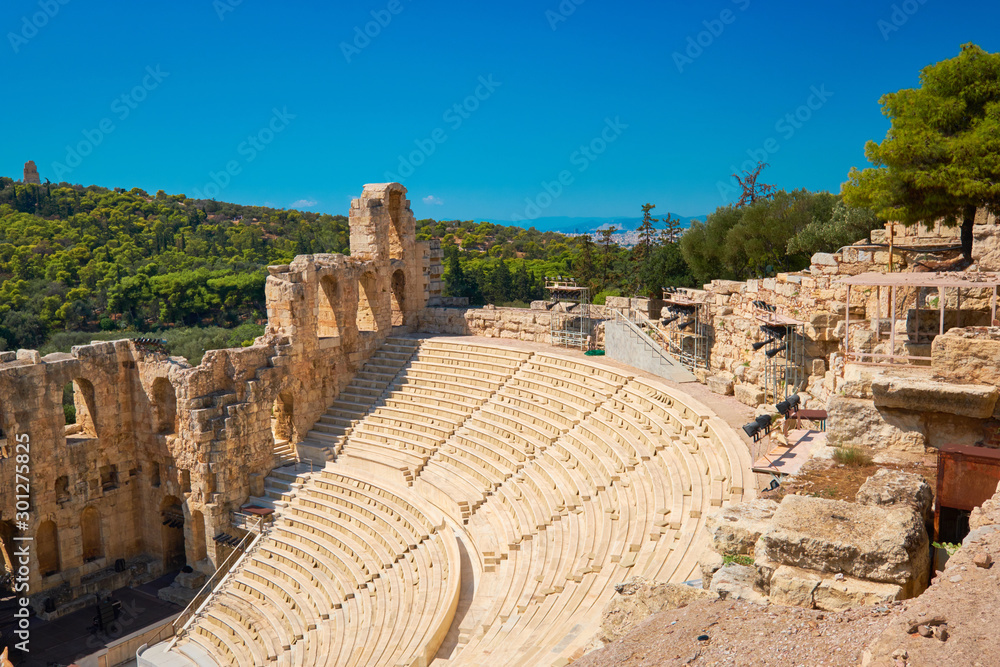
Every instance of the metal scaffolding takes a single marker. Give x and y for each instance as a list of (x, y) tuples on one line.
[(784, 352), (688, 333), (904, 312), (570, 323)]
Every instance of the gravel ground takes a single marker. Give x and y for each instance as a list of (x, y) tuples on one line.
[(742, 634)]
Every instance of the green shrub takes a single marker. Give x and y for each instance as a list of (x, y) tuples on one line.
[(852, 456), (950, 547), (739, 559), (601, 298)]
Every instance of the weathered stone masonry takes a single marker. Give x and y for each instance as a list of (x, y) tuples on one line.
[(159, 442)]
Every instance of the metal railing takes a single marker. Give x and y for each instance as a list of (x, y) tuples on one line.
[(632, 320), (201, 600)]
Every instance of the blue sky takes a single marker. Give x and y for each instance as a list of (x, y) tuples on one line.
[(483, 110)]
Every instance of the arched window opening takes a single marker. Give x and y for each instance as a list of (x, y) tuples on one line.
[(199, 549), (47, 543), (398, 297), (90, 528), (172, 533), (328, 308), (79, 407), (164, 407), (395, 229), (367, 303)]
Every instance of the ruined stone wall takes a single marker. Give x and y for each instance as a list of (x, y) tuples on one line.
[(902, 412), (527, 324), (159, 440), (816, 298)]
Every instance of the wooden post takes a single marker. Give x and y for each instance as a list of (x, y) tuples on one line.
[(892, 320), (941, 305), (892, 230)]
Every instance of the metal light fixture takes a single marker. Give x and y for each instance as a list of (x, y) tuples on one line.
[(685, 324), (757, 346), (752, 430), (776, 351)]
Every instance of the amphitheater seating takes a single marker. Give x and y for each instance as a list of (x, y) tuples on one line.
[(557, 477)]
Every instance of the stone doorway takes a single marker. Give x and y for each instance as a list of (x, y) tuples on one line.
[(172, 533)]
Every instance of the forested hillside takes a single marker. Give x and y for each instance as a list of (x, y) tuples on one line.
[(80, 262), (90, 259)]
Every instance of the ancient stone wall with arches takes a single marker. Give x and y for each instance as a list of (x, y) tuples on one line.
[(155, 454)]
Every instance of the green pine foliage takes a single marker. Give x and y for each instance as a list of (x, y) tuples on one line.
[(89, 259)]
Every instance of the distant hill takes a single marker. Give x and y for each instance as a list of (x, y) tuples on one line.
[(568, 225)]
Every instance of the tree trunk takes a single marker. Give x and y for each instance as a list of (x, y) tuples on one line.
[(968, 219)]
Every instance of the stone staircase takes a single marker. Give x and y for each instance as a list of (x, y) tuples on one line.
[(370, 386)]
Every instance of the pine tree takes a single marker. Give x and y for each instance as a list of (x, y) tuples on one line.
[(606, 243), (642, 254), (584, 268), (671, 229)]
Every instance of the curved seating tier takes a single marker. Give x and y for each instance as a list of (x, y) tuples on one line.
[(351, 572), (557, 478)]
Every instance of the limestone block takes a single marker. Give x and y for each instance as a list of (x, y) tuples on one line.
[(720, 384), (710, 562), (925, 395), (857, 422), (735, 529), (749, 394), (736, 582), (839, 594), (793, 587), (969, 355), (896, 488), (638, 599), (986, 247), (862, 541)]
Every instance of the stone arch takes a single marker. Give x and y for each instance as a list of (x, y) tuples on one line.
[(172, 533), (283, 418), (164, 406), (398, 298), (329, 307), (368, 302), (396, 211), (79, 406), (47, 545), (199, 548), (90, 530)]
